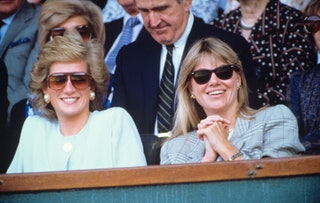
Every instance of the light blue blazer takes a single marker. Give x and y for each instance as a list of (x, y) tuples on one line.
[(273, 132)]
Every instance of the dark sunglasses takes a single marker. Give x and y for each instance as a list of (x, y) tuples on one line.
[(312, 24), (84, 30), (79, 80), (223, 72)]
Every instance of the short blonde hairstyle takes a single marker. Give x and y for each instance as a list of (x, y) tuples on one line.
[(68, 48)]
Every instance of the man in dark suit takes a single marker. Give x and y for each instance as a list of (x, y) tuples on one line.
[(140, 64)]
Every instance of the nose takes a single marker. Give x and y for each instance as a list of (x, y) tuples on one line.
[(154, 19), (213, 79), (69, 86)]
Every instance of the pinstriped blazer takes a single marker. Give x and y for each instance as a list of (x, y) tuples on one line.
[(273, 132)]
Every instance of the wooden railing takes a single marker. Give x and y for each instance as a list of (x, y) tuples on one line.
[(160, 175)]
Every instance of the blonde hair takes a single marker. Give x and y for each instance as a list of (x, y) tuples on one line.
[(69, 47), (189, 112), (55, 12)]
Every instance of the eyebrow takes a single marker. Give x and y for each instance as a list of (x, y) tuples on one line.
[(157, 8)]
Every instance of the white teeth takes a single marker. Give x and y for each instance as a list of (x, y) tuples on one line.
[(69, 100), (216, 92)]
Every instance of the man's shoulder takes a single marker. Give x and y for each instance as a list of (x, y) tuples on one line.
[(144, 41), (30, 11), (115, 23)]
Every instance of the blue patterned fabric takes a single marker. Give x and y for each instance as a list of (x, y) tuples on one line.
[(112, 11), (304, 100), (125, 39), (205, 9)]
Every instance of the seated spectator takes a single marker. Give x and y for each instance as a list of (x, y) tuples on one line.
[(18, 45), (304, 91), (57, 17), (147, 70), (213, 120), (278, 44), (68, 84)]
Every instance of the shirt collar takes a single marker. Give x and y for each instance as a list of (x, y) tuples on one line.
[(183, 39), (9, 20), (127, 16)]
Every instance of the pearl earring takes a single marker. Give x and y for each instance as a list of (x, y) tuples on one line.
[(46, 98), (92, 95), (192, 96)]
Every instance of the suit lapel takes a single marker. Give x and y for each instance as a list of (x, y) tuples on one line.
[(115, 28), (21, 18), (152, 64), (241, 128)]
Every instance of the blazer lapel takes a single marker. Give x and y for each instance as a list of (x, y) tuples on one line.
[(150, 72), (237, 138), (21, 18)]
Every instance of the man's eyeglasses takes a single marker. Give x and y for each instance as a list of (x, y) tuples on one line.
[(223, 72), (312, 24), (79, 80), (84, 30)]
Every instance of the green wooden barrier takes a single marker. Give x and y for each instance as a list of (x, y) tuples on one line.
[(270, 180)]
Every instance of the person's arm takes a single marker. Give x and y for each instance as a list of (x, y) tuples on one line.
[(280, 138), (182, 149)]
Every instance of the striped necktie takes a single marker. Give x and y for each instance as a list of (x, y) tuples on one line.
[(125, 39), (166, 94)]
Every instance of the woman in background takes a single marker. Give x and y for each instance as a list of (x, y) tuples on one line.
[(278, 44), (56, 17)]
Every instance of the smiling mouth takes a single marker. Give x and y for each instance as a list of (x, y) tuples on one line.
[(216, 92), (70, 99)]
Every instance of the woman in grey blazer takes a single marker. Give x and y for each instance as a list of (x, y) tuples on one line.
[(213, 121)]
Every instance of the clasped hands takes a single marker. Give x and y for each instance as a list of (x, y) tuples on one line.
[(214, 131)]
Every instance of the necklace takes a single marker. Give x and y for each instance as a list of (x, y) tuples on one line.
[(245, 26)]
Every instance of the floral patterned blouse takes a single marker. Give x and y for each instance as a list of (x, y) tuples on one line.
[(304, 100), (278, 45)]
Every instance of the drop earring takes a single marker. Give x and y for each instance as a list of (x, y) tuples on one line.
[(46, 98), (92, 95)]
